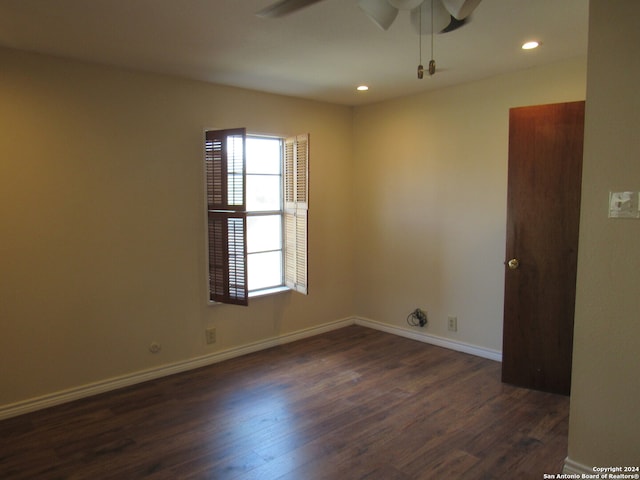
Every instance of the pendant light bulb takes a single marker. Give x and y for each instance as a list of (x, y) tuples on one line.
[(420, 72)]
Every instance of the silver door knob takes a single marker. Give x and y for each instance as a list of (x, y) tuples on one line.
[(513, 263)]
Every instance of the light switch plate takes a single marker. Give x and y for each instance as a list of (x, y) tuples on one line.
[(624, 205)]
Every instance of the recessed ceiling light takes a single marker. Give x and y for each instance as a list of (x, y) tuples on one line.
[(362, 88), (530, 45)]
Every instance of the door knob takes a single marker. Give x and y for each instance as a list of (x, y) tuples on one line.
[(513, 263)]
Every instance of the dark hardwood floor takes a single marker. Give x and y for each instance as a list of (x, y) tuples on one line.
[(350, 404)]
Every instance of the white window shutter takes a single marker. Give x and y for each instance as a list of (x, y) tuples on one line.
[(296, 206)]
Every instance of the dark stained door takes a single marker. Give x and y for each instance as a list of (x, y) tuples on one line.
[(543, 210)]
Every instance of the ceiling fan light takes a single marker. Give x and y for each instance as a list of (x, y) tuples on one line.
[(405, 4), (460, 9), (380, 11)]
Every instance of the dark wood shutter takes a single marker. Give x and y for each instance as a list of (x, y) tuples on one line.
[(296, 206), (227, 218)]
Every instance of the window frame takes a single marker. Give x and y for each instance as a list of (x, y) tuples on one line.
[(281, 287), (294, 203)]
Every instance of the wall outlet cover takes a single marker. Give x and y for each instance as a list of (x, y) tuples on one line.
[(210, 335), (624, 205)]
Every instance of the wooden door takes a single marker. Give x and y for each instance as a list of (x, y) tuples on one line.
[(543, 209)]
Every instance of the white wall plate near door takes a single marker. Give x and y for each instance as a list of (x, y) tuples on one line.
[(624, 205)]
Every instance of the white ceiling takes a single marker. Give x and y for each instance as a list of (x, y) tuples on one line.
[(321, 52)]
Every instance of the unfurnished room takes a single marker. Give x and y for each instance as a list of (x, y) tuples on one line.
[(319, 239)]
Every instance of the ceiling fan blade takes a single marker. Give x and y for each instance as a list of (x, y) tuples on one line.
[(460, 9), (380, 11), (454, 24), (441, 17), (284, 7)]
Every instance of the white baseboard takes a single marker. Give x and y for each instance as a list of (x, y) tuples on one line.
[(431, 339), (575, 468), (77, 393)]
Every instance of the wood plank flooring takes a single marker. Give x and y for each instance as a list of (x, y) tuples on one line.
[(353, 403)]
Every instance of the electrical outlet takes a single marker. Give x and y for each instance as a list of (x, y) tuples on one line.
[(452, 323), (211, 335), (155, 347)]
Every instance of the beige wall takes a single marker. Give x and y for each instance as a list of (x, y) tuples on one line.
[(605, 417), (102, 243), (431, 190)]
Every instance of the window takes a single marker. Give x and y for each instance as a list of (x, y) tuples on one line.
[(257, 189), (264, 213)]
